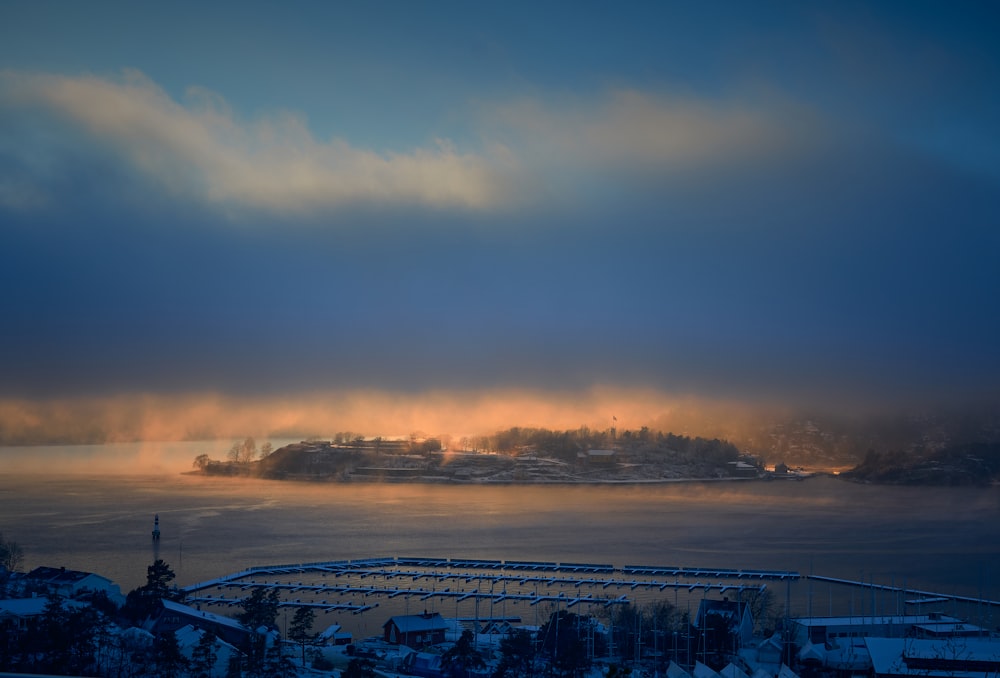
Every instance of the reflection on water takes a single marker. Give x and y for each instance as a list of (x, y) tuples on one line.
[(939, 539)]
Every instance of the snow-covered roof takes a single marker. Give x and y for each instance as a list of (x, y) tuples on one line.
[(23, 607), (964, 658), (731, 670), (870, 620), (675, 671), (414, 623), (703, 671), (31, 607), (189, 611), (60, 576)]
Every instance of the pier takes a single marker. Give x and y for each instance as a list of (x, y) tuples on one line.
[(357, 586)]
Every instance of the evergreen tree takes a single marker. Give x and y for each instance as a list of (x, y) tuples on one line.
[(204, 656), (167, 655), (517, 656), (301, 626), (260, 609), (462, 656)]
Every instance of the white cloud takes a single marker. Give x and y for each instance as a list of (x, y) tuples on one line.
[(201, 150), (533, 150)]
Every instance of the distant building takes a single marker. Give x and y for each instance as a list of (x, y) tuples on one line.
[(415, 630), (600, 457), (741, 469)]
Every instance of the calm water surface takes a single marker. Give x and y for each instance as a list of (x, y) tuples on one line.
[(944, 539)]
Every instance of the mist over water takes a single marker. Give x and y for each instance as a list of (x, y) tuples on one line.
[(935, 539)]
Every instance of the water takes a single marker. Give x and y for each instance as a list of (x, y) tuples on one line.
[(936, 539)]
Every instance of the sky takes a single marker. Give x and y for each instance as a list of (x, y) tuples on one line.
[(396, 216)]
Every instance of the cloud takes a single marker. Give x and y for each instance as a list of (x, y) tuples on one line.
[(200, 150), (530, 150), (631, 128)]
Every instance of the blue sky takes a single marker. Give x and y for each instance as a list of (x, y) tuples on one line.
[(340, 206)]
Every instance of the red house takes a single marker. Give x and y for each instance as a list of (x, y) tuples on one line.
[(415, 630)]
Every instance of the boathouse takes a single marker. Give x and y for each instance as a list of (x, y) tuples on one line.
[(415, 630)]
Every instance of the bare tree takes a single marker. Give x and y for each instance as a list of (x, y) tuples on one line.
[(265, 450), (11, 554), (248, 450)]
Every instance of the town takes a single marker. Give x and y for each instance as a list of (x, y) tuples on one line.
[(470, 618)]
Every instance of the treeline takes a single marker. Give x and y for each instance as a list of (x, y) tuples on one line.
[(567, 444), (970, 464)]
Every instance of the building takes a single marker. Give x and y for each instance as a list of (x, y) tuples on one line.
[(600, 457), (415, 630), (905, 657), (834, 630), (171, 616), (73, 583)]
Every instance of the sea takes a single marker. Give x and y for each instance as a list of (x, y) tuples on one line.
[(937, 540)]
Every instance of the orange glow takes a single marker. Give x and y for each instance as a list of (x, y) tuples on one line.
[(159, 418)]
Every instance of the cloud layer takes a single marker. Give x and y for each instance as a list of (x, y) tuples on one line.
[(199, 150)]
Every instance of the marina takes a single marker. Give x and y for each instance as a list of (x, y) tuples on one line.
[(486, 589)]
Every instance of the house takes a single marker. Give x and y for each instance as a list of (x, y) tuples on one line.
[(741, 469), (189, 637), (22, 615), (171, 616), (73, 583), (601, 457), (16, 614), (415, 630)]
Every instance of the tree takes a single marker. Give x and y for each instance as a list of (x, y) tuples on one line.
[(11, 555), (234, 452), (248, 450), (265, 450), (517, 656), (462, 656), (204, 656), (158, 578), (260, 609), (201, 462), (170, 662), (301, 626), (561, 639), (141, 602)]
